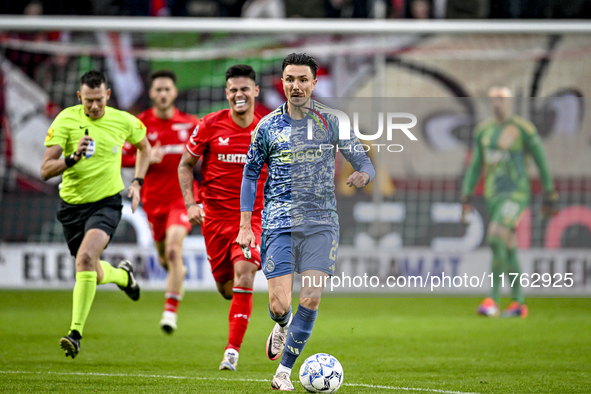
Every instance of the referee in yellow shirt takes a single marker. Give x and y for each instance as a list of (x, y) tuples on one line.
[(90, 137)]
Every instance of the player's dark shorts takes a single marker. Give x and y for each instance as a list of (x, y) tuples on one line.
[(309, 247), (77, 219)]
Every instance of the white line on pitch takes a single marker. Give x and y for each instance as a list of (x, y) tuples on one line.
[(123, 375)]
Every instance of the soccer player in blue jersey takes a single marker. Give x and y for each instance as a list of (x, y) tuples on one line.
[(300, 223)]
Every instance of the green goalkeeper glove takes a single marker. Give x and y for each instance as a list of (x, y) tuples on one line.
[(550, 205)]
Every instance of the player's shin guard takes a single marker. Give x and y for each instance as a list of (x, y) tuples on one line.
[(84, 291), (240, 310), (113, 275), (513, 268), (499, 251), (298, 334)]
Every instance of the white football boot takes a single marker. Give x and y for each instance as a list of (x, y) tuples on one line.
[(168, 322), (282, 382), (230, 360), (276, 340)]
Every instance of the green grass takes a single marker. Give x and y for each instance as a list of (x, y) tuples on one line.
[(427, 344)]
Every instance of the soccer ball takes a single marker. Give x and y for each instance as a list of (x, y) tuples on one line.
[(321, 373)]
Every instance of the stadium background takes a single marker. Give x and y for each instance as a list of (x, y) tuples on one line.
[(406, 224)]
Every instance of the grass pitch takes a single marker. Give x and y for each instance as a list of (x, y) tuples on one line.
[(386, 345)]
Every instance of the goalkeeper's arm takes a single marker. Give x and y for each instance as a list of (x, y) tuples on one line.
[(549, 207), (471, 179)]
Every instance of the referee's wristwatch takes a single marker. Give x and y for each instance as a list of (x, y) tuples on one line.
[(139, 180)]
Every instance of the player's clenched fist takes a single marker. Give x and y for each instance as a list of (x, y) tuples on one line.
[(246, 237), (196, 214), (358, 179)]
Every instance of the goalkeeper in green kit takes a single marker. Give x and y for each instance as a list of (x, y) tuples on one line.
[(502, 148)]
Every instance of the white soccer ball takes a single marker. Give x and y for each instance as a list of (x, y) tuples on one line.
[(321, 373)]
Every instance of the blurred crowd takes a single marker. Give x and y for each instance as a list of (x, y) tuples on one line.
[(413, 9)]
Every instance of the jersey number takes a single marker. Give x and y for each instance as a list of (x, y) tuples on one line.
[(333, 251)]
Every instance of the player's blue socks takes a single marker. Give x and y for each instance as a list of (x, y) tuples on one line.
[(298, 334), (282, 320)]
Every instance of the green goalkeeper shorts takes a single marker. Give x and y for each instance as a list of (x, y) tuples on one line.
[(506, 211)]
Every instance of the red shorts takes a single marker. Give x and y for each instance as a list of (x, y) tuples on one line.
[(223, 251), (160, 223)]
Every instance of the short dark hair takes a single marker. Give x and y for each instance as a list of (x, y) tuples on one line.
[(241, 70), (300, 59), (93, 79), (163, 74)]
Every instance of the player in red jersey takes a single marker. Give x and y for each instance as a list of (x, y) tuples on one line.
[(222, 138), (168, 132)]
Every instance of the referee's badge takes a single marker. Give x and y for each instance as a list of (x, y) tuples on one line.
[(49, 135)]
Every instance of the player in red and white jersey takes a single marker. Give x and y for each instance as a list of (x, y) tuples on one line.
[(168, 131), (222, 139)]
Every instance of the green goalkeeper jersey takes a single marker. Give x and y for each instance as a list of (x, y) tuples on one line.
[(99, 176), (502, 151)]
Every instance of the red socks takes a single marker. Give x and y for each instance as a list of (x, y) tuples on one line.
[(172, 302), (240, 310)]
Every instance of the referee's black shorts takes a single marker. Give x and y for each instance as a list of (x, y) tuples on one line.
[(77, 219)]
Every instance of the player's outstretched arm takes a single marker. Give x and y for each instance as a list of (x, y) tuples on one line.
[(194, 212), (53, 166), (141, 167)]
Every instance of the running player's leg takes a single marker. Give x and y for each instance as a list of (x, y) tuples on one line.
[(169, 231), (240, 311), (276, 258), (106, 218), (316, 249), (245, 268), (300, 330), (278, 270), (88, 231), (87, 261), (280, 289), (173, 258)]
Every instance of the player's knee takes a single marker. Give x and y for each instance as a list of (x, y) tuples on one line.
[(278, 308), (172, 253), (84, 261), (244, 278)]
